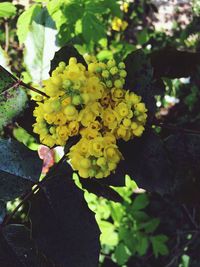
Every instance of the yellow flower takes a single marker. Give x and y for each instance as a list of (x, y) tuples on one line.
[(118, 24)]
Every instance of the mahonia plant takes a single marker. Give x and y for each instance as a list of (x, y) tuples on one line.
[(89, 102)]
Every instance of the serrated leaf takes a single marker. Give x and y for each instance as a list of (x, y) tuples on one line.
[(64, 228), (20, 169), (140, 202), (17, 249), (92, 28), (7, 10), (114, 7), (64, 54), (142, 245), (159, 246), (149, 226), (40, 46), (121, 254), (2, 210), (24, 21)]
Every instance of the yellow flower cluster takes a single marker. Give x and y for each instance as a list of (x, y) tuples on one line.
[(119, 24), (92, 103)]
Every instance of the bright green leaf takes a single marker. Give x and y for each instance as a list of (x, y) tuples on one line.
[(25, 20), (7, 9), (40, 46)]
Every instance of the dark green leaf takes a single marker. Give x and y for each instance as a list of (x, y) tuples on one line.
[(146, 161), (64, 54), (140, 78), (150, 226), (99, 189), (64, 228), (2, 211), (6, 79), (142, 245), (20, 168), (93, 30), (140, 202), (159, 246), (114, 7), (122, 254), (17, 249)]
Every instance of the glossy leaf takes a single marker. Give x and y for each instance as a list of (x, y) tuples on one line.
[(17, 249), (20, 168), (147, 162), (64, 228), (64, 54), (2, 211)]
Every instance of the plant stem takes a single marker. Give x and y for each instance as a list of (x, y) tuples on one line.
[(175, 128), (32, 88), (6, 36)]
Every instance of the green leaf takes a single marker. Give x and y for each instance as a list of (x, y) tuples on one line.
[(93, 30), (97, 7), (140, 202), (121, 254), (108, 234), (143, 36), (114, 7), (40, 46), (62, 224), (159, 246), (7, 10), (150, 226), (128, 238), (20, 169), (2, 210), (25, 20), (13, 98), (17, 249), (142, 245)]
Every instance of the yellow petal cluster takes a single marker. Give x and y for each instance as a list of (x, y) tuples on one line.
[(119, 24), (89, 101)]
